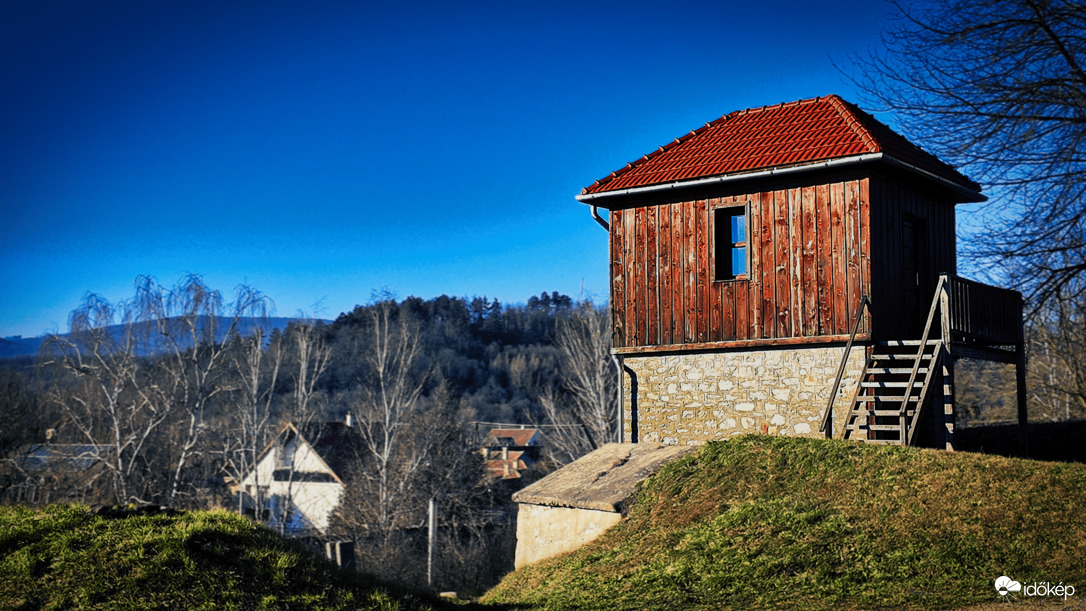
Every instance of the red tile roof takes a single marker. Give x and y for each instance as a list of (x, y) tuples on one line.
[(791, 134), (519, 437)]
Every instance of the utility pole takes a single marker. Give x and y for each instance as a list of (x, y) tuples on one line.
[(430, 544)]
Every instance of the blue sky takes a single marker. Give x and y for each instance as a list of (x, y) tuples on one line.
[(320, 150)]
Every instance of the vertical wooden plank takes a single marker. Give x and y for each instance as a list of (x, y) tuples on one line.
[(664, 245), (810, 248), (892, 233), (639, 280), (678, 262), (618, 280), (701, 287), (781, 254), (716, 313), (795, 259), (690, 264), (769, 285), (823, 260), (754, 294), (634, 273), (652, 292), (864, 216), (852, 250), (840, 271)]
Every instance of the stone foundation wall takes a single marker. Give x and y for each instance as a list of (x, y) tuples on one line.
[(688, 399)]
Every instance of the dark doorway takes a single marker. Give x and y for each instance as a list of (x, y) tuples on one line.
[(914, 277)]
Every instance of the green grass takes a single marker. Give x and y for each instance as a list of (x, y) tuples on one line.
[(771, 522), (66, 557)]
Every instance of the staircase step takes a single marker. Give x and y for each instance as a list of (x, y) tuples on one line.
[(884, 399), (890, 384), (895, 371), (873, 427), (900, 357), (893, 412), (908, 342)]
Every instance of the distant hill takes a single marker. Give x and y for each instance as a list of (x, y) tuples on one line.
[(772, 522), (14, 347)]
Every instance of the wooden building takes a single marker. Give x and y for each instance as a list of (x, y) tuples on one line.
[(772, 251)]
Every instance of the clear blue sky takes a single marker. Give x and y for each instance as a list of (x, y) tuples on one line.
[(320, 150)]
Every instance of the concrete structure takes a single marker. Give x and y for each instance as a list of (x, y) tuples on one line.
[(580, 501)]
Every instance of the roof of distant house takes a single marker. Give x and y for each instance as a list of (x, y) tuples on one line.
[(792, 135), (511, 437)]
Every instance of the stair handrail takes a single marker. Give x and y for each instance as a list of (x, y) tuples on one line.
[(827, 414), (935, 302)]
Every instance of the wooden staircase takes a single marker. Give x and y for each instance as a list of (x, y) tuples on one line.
[(902, 379), (894, 388)]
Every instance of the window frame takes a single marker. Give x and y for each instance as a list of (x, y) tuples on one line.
[(722, 251)]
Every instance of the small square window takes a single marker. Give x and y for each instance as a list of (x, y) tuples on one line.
[(730, 243)]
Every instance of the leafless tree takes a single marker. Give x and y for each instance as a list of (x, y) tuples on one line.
[(1057, 361), (195, 329), (387, 409), (108, 404), (250, 424), (585, 414), (998, 87)]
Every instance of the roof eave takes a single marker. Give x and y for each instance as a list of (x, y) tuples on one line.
[(965, 194)]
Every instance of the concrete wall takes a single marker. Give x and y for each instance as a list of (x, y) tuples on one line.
[(688, 399), (544, 531)]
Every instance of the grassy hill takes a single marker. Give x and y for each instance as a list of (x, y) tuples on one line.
[(773, 522), (66, 557)]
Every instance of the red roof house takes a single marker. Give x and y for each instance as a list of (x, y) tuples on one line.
[(747, 254)]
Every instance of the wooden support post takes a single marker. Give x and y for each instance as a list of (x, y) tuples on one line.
[(1020, 392), (1020, 384), (947, 362), (948, 400)]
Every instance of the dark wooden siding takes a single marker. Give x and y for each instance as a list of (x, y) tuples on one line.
[(809, 262), (897, 201)]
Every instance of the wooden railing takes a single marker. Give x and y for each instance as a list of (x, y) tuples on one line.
[(827, 415), (978, 313)]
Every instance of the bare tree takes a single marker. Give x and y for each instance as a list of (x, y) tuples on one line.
[(108, 404), (193, 328), (585, 414), (250, 423), (999, 88), (1057, 360)]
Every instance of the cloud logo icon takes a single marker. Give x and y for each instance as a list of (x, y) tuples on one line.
[(1005, 585)]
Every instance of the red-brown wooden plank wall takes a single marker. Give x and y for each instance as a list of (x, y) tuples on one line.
[(809, 263)]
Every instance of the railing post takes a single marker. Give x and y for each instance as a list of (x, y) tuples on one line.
[(827, 415)]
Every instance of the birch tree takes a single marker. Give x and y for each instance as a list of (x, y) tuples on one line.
[(107, 404)]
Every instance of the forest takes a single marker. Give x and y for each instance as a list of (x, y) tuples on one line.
[(174, 394)]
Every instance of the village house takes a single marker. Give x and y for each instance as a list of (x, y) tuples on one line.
[(299, 480), (508, 452), (791, 270)]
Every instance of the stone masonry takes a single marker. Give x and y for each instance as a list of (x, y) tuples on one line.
[(688, 399)]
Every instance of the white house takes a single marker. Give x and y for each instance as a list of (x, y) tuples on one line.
[(299, 480)]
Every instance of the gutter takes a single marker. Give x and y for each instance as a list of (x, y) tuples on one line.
[(972, 196), (599, 219)]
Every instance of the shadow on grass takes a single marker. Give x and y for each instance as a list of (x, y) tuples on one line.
[(1056, 441)]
